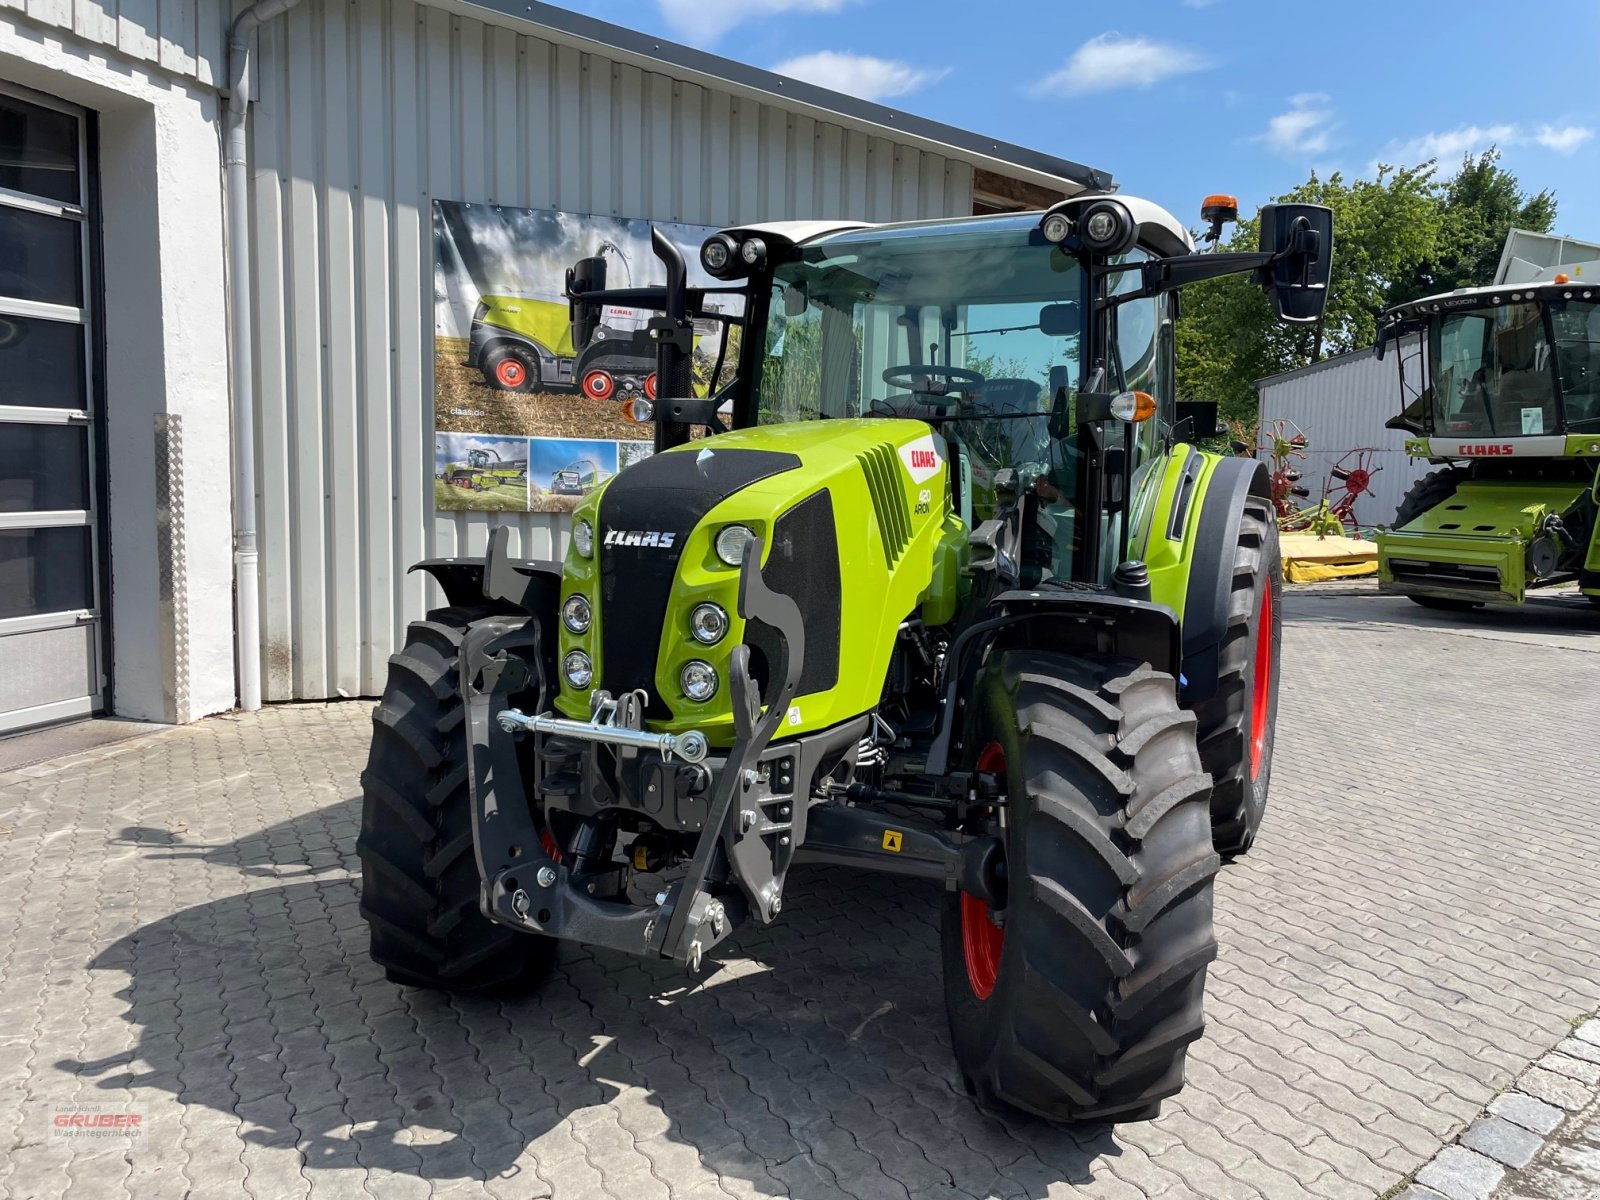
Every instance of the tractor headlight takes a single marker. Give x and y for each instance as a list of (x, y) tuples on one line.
[(708, 623), (1056, 227), (577, 668), (716, 254), (698, 680), (754, 252), (583, 538), (575, 613), (730, 543), (1106, 227)]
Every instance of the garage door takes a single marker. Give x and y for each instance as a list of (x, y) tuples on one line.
[(51, 625)]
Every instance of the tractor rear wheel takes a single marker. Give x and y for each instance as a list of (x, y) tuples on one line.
[(419, 876), (1432, 489), (1078, 997), (511, 369), (1237, 722)]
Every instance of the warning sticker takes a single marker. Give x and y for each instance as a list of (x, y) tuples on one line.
[(891, 840)]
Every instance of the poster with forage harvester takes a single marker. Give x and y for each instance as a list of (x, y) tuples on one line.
[(532, 384)]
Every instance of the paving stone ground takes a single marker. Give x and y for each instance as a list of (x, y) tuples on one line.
[(180, 943)]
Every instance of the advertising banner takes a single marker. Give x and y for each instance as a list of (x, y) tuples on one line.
[(527, 404)]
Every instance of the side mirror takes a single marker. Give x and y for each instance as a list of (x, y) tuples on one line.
[(1300, 239), (1060, 320), (586, 275)]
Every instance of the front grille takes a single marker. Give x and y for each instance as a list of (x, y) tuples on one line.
[(665, 493), (1456, 576), (888, 501)]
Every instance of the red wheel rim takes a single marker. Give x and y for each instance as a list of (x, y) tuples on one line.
[(1263, 690), (981, 938), (510, 373), (598, 385), (650, 385)]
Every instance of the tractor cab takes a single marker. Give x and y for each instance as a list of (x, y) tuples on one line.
[(1501, 390)]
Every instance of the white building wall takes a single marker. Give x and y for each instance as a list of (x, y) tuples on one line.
[(186, 38), (165, 355), (367, 112), (1341, 405)]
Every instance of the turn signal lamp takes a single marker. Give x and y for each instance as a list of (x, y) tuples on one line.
[(638, 409), (1133, 407)]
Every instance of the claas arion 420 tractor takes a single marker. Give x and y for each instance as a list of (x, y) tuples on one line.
[(1504, 391), (937, 586)]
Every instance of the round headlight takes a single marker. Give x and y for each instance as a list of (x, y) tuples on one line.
[(708, 622), (730, 543), (1057, 227), (753, 251), (583, 538), (1107, 227), (699, 680), (577, 668), (575, 613), (714, 254)]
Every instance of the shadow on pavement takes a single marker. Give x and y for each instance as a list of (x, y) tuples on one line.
[(813, 1056)]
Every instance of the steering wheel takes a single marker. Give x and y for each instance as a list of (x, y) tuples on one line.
[(907, 376)]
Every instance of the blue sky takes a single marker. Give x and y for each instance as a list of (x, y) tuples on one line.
[(1178, 98)]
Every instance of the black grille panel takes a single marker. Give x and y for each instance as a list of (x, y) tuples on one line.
[(888, 501), (803, 564), (664, 494)]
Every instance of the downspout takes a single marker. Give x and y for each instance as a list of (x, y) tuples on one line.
[(235, 159)]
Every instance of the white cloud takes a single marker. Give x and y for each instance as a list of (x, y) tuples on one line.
[(1305, 129), (1112, 61), (707, 20), (1451, 145), (1564, 140), (859, 75)]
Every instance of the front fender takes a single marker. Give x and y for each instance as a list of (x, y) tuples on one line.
[(1209, 552)]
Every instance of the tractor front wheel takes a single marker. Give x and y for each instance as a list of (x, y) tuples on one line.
[(511, 369), (1238, 720), (419, 877), (1076, 996)]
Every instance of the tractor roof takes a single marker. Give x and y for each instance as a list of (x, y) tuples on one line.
[(1488, 296), (1159, 230)]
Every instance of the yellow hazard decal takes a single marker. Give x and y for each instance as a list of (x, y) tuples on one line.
[(891, 840)]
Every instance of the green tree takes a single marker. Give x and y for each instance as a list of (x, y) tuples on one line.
[(1384, 229), (1478, 207)]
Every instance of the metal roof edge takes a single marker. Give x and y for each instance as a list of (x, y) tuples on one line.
[(1325, 364), (577, 28)]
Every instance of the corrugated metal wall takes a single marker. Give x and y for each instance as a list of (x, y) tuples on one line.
[(370, 110), (186, 37), (1342, 405)]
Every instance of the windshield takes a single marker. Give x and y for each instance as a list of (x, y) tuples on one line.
[(1491, 373), (976, 331)]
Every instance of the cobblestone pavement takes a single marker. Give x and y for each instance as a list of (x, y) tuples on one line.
[(180, 944)]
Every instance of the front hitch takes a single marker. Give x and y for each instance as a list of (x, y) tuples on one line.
[(526, 886)]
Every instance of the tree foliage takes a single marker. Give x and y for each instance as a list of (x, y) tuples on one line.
[(1398, 236)]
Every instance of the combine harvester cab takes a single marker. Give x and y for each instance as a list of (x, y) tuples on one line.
[(1505, 400)]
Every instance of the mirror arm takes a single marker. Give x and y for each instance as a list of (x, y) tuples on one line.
[(1169, 274)]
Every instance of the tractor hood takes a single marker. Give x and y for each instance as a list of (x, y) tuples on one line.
[(851, 518)]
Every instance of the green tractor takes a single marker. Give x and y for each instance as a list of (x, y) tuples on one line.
[(1505, 399), (937, 586)]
